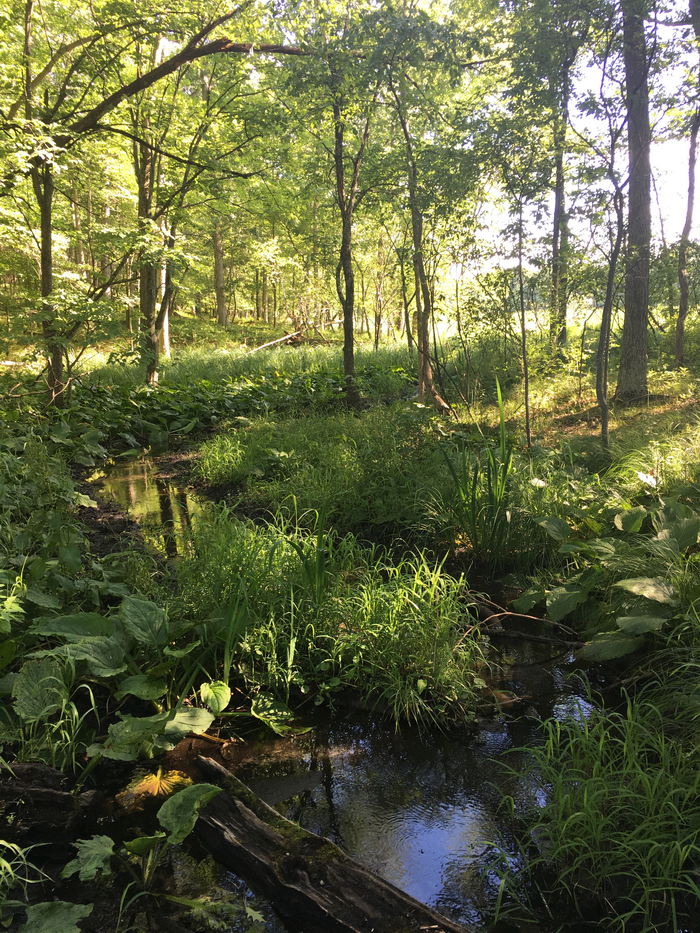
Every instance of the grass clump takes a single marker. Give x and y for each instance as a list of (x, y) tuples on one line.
[(325, 615), (618, 836)]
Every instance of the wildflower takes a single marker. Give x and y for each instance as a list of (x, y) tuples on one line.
[(538, 483)]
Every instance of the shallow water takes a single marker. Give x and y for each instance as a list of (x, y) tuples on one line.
[(421, 811), (165, 510)]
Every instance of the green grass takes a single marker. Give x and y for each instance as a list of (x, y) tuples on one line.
[(371, 473), (618, 836), (326, 614)]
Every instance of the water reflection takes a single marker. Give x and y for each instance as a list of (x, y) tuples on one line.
[(420, 811), (164, 510)]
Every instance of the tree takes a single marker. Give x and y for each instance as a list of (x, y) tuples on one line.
[(61, 121), (632, 375), (683, 279)]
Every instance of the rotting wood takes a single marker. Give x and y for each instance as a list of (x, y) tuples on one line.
[(313, 885), (272, 343)]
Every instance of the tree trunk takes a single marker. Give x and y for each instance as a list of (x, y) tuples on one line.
[(523, 328), (424, 297), (683, 300), (560, 225), (602, 353), (219, 285), (345, 286), (43, 184), (264, 299), (632, 377), (683, 282), (166, 303)]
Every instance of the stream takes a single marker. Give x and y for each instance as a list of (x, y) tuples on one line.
[(421, 811)]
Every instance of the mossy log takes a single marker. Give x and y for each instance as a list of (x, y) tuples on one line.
[(313, 885)]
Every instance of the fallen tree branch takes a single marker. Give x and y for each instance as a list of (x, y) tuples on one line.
[(311, 882), (272, 343)]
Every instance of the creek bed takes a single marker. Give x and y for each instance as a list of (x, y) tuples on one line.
[(422, 811)]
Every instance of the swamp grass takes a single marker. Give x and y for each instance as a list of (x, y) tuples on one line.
[(327, 614)]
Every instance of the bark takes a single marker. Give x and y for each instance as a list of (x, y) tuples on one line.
[(603, 350), (523, 328), (345, 273), (219, 281), (424, 296), (314, 886), (683, 283), (632, 377), (43, 184), (683, 300), (145, 169), (560, 238)]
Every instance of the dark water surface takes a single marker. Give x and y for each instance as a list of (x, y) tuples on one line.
[(421, 811)]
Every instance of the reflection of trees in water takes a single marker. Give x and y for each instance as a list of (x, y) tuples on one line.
[(167, 517)]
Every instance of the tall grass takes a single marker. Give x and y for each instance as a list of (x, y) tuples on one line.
[(618, 836), (326, 614)]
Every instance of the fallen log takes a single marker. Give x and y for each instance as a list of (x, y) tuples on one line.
[(313, 885), (272, 343)]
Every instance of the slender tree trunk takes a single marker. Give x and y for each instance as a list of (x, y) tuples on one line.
[(560, 238), (603, 351), (632, 377), (43, 184), (683, 300), (149, 268), (523, 327), (219, 282), (424, 295), (344, 273), (265, 298), (166, 303)]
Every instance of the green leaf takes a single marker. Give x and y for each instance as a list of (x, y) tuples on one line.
[(562, 600), (141, 686), (650, 588), (40, 689), (142, 845), (73, 627), (275, 714), (631, 520), (640, 625), (55, 917), (94, 855), (684, 532), (134, 736), (555, 527), (39, 598), (181, 652), (105, 657), (254, 915), (182, 721), (179, 813), (529, 599), (144, 621), (609, 645), (216, 695)]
